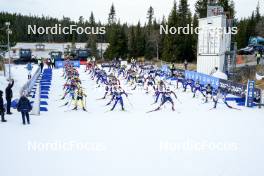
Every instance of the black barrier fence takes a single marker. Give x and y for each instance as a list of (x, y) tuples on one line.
[(233, 88)]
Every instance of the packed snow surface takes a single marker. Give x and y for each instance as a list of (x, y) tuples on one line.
[(192, 141)]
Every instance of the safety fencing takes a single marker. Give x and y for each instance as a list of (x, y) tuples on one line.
[(37, 89), (248, 94), (30, 83), (31, 88)]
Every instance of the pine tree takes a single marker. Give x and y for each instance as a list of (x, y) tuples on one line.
[(232, 9), (162, 37), (150, 45), (91, 44), (185, 47), (140, 41), (118, 42), (260, 27), (150, 15), (112, 15), (170, 51), (92, 19), (241, 37), (81, 20), (92, 39), (258, 16), (228, 6), (195, 36), (201, 8), (132, 46)]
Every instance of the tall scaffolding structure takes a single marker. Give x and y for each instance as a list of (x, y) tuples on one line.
[(214, 40)]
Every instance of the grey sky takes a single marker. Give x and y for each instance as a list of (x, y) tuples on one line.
[(127, 10)]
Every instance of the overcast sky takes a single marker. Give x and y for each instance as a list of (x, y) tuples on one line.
[(127, 10)]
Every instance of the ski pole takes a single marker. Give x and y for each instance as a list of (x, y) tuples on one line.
[(85, 102), (179, 101), (129, 102)]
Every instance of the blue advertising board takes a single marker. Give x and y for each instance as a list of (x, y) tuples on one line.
[(203, 78), (166, 69), (250, 94), (60, 64)]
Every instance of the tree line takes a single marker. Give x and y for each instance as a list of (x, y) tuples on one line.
[(139, 40)]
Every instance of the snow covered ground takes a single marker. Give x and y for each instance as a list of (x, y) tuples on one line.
[(190, 141), (19, 73)]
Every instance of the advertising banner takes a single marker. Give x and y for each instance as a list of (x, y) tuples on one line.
[(250, 94), (233, 88), (60, 64), (203, 79), (166, 69)]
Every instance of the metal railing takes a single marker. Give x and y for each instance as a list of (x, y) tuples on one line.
[(30, 83)]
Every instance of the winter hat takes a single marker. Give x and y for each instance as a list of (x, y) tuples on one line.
[(24, 93)]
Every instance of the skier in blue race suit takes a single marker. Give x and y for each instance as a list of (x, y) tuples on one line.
[(117, 96)]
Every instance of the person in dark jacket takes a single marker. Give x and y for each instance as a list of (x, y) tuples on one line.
[(41, 65), (49, 63), (24, 107), (2, 108), (185, 64), (9, 96)]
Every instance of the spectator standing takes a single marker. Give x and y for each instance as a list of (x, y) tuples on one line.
[(29, 68), (258, 56), (24, 107), (2, 108), (9, 96), (41, 66), (172, 69), (185, 64), (52, 62), (49, 63)]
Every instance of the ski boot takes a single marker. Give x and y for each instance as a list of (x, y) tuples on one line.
[(3, 120)]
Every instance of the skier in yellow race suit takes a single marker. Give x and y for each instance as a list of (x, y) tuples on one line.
[(80, 99)]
